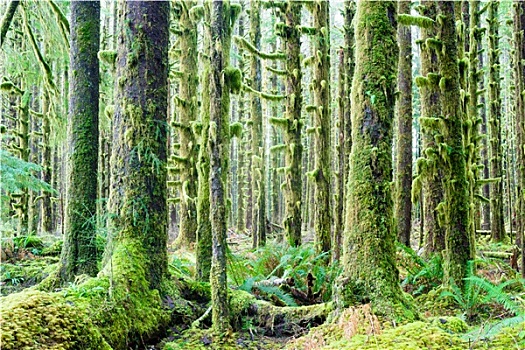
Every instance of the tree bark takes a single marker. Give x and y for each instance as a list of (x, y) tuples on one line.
[(403, 200), (79, 253), (369, 270), (497, 225), (458, 244), (218, 145), (258, 144), (322, 121)]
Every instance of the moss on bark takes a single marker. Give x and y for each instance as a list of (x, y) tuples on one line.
[(458, 239), (322, 122), (519, 101), (188, 110), (432, 187), (369, 271), (292, 123), (257, 132), (204, 251), (403, 200), (497, 225), (79, 253)]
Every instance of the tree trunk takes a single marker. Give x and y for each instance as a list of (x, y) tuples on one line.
[(204, 250), (432, 189), (139, 152), (293, 124), (258, 145), (458, 244), (369, 266), (497, 226), (79, 253), (519, 81), (188, 110), (218, 145), (403, 200), (322, 122)]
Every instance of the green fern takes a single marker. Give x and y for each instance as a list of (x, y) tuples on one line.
[(478, 291)]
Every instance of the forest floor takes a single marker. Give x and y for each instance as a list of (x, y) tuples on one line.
[(488, 314)]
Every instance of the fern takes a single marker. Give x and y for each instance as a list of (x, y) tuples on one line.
[(478, 291), (279, 293)]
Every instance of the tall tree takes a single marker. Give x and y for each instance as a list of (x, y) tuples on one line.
[(79, 253), (519, 91), (322, 172), (369, 271), (292, 123), (204, 250), (138, 191), (403, 200), (458, 244), (188, 109), (345, 125), (429, 171), (223, 80), (258, 144), (497, 225)]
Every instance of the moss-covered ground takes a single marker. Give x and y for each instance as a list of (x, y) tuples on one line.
[(268, 313)]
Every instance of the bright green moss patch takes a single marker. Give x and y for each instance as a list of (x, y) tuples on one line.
[(451, 324), (196, 339), (36, 320)]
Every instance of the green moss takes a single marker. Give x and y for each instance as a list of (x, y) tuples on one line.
[(36, 320), (451, 324)]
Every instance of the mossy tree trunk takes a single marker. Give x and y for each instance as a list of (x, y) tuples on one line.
[(79, 253), (485, 148), (187, 104), (7, 19), (139, 153), (241, 148), (345, 126), (258, 145), (403, 200), (472, 127), (293, 124), (322, 172), (458, 237), (432, 187), (370, 273), (204, 250), (46, 223), (497, 225), (222, 19), (519, 91)]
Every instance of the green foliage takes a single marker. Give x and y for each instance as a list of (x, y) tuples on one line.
[(422, 275), (18, 175), (478, 292), (279, 262)]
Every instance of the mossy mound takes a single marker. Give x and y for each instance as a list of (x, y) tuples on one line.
[(196, 339), (359, 328), (508, 338), (451, 324), (36, 320), (26, 273)]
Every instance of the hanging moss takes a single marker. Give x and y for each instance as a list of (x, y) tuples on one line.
[(204, 250), (458, 241), (188, 114), (497, 224), (414, 20)]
